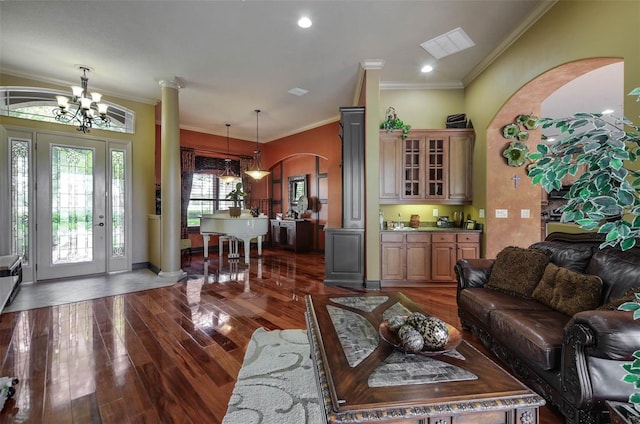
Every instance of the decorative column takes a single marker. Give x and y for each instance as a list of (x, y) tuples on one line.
[(170, 180), (372, 69)]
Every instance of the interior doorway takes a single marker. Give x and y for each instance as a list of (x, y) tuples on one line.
[(501, 189)]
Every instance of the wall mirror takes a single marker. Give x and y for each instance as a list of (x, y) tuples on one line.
[(298, 196)]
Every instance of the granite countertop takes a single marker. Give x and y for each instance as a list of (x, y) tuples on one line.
[(433, 229)]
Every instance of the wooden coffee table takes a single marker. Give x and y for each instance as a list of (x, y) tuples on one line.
[(362, 378)]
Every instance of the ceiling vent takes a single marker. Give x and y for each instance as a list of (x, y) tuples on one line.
[(298, 91), (446, 44)]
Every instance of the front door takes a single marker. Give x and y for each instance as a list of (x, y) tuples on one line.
[(71, 213)]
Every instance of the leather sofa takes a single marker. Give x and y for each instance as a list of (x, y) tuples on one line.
[(574, 362)]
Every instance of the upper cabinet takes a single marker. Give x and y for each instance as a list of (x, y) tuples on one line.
[(429, 166)]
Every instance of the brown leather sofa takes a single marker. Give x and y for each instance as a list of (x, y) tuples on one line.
[(574, 362)]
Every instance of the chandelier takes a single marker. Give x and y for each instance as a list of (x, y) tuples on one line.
[(256, 172), (88, 109), (228, 176)]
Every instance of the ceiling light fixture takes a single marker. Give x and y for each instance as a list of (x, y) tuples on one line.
[(426, 69), (228, 176), (304, 22), (256, 172), (89, 111)]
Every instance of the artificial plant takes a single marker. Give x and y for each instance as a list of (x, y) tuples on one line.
[(394, 123), (606, 197)]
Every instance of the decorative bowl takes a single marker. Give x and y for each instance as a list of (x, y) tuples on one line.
[(392, 338)]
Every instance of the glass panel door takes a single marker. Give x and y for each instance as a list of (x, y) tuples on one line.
[(71, 227)]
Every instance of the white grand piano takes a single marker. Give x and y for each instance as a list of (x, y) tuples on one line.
[(245, 228)]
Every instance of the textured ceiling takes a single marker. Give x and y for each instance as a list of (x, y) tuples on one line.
[(237, 56)]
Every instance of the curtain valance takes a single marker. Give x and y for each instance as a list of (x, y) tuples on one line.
[(215, 165)]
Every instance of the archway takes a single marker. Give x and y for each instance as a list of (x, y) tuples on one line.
[(315, 170), (509, 188)]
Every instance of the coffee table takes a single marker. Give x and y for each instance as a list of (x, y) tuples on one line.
[(363, 378)]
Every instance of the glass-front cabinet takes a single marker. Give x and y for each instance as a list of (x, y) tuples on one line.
[(413, 177), (436, 159), (428, 166)]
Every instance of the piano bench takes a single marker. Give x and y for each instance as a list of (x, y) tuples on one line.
[(233, 246), (185, 248)]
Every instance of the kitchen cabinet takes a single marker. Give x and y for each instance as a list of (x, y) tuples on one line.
[(390, 162), (467, 246), (292, 234), (420, 258), (443, 257), (428, 166), (405, 257)]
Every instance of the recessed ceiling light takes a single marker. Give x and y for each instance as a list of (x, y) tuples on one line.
[(298, 91), (426, 69), (304, 22), (452, 42), (607, 111)]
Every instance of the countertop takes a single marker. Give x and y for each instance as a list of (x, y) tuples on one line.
[(433, 230)]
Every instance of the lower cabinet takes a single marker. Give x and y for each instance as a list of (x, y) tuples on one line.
[(292, 234), (420, 258), (443, 257)]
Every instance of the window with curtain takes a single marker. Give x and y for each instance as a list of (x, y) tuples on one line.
[(208, 194)]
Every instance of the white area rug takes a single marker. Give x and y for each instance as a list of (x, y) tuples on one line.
[(276, 384)]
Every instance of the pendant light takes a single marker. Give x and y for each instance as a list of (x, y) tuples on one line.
[(228, 176), (256, 172)]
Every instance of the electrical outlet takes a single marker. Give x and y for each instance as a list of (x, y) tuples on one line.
[(525, 213), (502, 213), (435, 212), (481, 213)]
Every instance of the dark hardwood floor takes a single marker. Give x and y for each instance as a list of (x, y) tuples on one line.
[(168, 355)]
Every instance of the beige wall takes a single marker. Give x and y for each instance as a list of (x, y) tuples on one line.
[(143, 152), (422, 109), (570, 31)]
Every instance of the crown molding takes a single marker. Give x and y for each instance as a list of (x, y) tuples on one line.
[(372, 63), (398, 85), (533, 17), (63, 83)]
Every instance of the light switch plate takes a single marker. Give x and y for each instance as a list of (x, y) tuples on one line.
[(502, 213), (525, 213), (435, 212), (481, 213)]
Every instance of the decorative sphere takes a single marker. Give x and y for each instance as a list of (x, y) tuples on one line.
[(417, 320), (396, 322), (411, 340), (435, 334)]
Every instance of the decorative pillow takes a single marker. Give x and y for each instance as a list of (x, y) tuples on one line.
[(568, 291), (628, 296), (517, 271)]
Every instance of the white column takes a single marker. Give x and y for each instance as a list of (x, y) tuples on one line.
[(170, 181)]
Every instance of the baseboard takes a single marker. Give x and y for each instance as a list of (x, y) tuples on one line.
[(372, 284)]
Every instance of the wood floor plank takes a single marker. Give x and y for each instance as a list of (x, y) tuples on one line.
[(168, 355)]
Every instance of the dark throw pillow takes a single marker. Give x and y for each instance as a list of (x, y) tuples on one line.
[(568, 291), (517, 271)]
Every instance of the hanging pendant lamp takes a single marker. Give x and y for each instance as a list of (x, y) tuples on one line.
[(256, 172), (228, 176)]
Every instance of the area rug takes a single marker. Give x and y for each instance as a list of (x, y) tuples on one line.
[(276, 384)]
